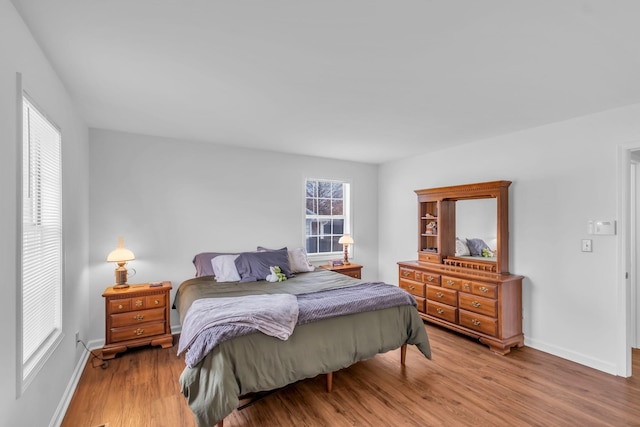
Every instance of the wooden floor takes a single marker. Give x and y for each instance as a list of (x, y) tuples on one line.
[(464, 385)]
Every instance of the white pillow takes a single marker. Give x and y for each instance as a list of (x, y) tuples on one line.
[(224, 268), (298, 261), (461, 248)]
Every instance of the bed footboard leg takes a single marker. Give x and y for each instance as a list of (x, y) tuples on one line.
[(329, 382), (220, 423), (403, 354)]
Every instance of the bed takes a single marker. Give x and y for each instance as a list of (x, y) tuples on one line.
[(256, 362)]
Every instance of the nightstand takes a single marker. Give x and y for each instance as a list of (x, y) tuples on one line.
[(353, 270), (135, 316)]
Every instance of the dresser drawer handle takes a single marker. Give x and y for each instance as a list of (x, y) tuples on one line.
[(476, 304), (439, 310), (120, 306), (440, 294), (156, 302), (430, 278), (139, 331), (451, 282), (138, 317), (139, 303), (467, 286), (484, 289), (406, 273), (476, 322), (411, 287)]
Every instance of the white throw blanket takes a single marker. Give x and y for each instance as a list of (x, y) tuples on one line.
[(275, 315)]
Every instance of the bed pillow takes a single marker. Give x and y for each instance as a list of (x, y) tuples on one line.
[(298, 259), (254, 266), (476, 246), (462, 249), (202, 262), (224, 268)]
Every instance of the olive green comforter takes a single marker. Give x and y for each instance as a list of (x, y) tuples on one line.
[(258, 362)]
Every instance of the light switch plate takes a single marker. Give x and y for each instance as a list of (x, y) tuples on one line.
[(586, 245)]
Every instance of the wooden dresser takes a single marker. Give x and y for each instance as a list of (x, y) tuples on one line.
[(135, 316), (475, 295), (483, 305)]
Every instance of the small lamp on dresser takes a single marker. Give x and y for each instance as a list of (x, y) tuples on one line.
[(345, 241), (121, 256)]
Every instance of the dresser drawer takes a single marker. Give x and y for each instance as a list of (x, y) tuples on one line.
[(430, 278), (488, 290), (478, 322), (136, 317), (137, 331), (407, 273), (443, 311), (414, 288), (477, 304), (444, 296), (451, 283), (422, 304)]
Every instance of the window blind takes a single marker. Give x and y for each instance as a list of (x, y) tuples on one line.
[(41, 237)]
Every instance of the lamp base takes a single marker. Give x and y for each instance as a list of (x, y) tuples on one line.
[(121, 286)]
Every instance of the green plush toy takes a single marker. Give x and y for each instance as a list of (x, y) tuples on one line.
[(276, 275)]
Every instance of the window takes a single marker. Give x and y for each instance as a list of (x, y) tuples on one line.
[(327, 215), (41, 254)]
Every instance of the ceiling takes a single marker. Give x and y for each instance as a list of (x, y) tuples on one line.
[(363, 80)]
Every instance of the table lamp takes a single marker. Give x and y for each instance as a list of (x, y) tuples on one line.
[(345, 241), (120, 256)]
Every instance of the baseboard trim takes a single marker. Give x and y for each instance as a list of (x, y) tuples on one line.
[(61, 410), (564, 353)]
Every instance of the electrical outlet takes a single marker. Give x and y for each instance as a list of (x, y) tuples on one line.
[(586, 245), (77, 338)]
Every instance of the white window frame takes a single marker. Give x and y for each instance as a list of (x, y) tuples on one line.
[(346, 216), (40, 246)]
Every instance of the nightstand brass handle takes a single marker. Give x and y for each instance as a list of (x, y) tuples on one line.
[(120, 307), (139, 331), (406, 273), (139, 303), (451, 282), (476, 304), (476, 322), (483, 289), (439, 310), (440, 294), (156, 302), (138, 317)]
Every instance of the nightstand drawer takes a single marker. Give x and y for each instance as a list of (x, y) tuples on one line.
[(155, 301), (136, 317), (137, 331), (119, 305)]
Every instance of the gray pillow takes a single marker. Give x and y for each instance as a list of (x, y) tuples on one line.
[(202, 262), (254, 266), (476, 246)]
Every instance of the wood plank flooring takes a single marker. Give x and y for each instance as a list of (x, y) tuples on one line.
[(464, 385)]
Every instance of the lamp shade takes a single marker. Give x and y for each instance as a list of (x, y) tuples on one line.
[(120, 254), (346, 240)]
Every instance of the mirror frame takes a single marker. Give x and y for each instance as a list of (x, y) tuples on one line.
[(498, 190)]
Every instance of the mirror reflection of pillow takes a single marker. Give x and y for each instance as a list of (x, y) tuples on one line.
[(461, 248), (476, 246)]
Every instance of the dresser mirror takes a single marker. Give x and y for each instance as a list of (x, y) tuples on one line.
[(477, 219)]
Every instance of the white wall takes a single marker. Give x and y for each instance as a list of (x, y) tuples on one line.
[(563, 175), (19, 53), (172, 199)]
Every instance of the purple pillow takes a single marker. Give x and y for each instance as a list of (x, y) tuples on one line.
[(476, 246), (254, 266), (202, 262)]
